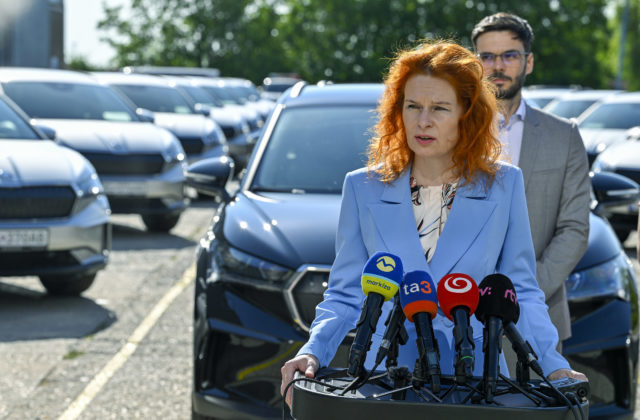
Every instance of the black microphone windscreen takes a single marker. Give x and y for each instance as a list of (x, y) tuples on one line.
[(497, 298)]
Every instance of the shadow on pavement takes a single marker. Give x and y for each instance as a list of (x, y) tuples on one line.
[(128, 237), (26, 314)]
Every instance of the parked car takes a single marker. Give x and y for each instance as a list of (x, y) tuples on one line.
[(274, 86), (622, 158), (246, 91), (572, 104), (54, 216), (216, 89), (141, 166), (264, 263), (542, 94), (607, 122), (201, 137), (240, 139)]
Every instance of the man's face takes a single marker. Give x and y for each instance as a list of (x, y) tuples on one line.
[(507, 74)]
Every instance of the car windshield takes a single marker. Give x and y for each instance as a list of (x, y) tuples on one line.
[(156, 98), (312, 148), (222, 94), (569, 109), (613, 115), (12, 126), (200, 96), (58, 100)]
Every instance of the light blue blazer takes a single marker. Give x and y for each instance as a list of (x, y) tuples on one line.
[(487, 232)]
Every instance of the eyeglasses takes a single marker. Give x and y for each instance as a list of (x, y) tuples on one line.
[(507, 57)]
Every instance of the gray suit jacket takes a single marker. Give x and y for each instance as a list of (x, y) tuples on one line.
[(556, 177)]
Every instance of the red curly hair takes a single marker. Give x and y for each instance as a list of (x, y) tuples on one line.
[(477, 148)]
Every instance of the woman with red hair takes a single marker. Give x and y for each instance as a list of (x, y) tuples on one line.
[(435, 194)]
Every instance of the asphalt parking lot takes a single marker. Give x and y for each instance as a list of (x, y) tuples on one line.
[(123, 350)]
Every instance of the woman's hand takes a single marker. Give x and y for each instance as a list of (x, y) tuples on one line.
[(567, 373), (306, 363)]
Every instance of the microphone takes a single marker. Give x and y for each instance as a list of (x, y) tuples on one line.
[(395, 334), (458, 297), (420, 306), (381, 277), (497, 306)]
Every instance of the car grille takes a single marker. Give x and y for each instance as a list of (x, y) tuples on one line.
[(110, 164), (633, 174), (304, 292), (36, 202), (193, 145)]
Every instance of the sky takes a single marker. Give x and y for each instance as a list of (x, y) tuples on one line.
[(81, 38)]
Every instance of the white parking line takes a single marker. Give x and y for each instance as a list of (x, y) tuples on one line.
[(93, 388)]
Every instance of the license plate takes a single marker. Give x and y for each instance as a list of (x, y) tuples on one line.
[(125, 188), (23, 238)]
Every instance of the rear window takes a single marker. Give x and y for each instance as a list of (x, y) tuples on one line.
[(69, 101), (311, 149)]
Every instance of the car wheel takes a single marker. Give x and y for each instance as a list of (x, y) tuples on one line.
[(67, 285), (160, 222)]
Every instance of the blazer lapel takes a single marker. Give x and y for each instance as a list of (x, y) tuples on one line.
[(469, 213), (529, 149), (394, 219)]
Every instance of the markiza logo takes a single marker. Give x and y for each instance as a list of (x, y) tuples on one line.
[(385, 264)]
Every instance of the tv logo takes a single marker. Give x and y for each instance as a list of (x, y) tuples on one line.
[(385, 264)]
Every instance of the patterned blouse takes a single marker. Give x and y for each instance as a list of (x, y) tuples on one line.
[(431, 207)]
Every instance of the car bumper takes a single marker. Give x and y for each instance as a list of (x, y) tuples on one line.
[(604, 346), (163, 193), (79, 244)]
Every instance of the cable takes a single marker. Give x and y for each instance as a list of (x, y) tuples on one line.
[(565, 399), (286, 389)]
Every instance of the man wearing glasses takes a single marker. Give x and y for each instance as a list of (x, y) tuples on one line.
[(550, 152)]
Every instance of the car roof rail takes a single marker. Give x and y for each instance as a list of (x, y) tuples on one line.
[(296, 89)]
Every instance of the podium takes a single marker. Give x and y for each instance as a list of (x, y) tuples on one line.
[(380, 397)]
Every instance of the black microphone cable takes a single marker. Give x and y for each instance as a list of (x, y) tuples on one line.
[(301, 379), (565, 400)]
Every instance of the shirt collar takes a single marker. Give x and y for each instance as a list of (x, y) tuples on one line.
[(517, 116)]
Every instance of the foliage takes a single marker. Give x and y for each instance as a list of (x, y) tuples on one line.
[(348, 40)]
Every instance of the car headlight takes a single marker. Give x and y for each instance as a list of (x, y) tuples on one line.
[(612, 278), (234, 261), (88, 189), (174, 153)]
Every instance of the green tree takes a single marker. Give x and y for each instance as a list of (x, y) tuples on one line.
[(348, 40)]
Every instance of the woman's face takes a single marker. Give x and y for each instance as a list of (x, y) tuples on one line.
[(430, 114)]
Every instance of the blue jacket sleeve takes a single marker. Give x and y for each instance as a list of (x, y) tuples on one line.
[(340, 309), (518, 262)]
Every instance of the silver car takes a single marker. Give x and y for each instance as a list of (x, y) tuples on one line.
[(201, 137), (54, 216), (140, 164)]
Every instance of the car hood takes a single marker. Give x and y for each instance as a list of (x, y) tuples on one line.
[(109, 136), (593, 137), (622, 155), (286, 229), (185, 125), (38, 162), (225, 116), (603, 244)]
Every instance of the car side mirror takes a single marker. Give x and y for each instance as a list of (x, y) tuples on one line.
[(210, 176), (145, 115), (202, 109), (49, 132), (613, 190)]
